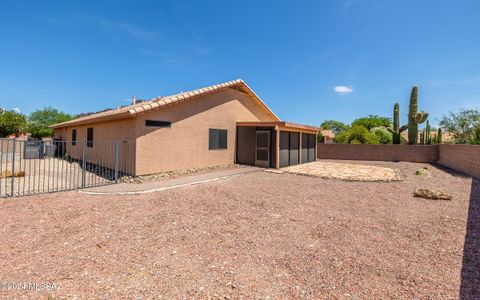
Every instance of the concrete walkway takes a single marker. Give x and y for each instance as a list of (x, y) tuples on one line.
[(157, 186)]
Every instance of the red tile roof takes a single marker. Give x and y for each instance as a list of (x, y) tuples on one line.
[(156, 103)]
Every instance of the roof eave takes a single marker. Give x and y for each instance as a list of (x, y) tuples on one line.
[(93, 120)]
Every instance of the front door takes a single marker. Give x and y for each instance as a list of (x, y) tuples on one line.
[(262, 148)]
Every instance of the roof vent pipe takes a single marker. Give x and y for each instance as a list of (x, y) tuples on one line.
[(134, 100)]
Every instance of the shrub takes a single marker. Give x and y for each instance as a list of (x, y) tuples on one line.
[(357, 135), (319, 137), (383, 135), (342, 137), (475, 140)]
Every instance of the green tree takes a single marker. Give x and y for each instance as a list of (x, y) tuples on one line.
[(357, 135), (461, 124), (39, 120), (319, 137), (11, 122), (475, 139), (335, 126), (372, 121)]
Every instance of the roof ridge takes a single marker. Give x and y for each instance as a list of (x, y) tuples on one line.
[(157, 102)]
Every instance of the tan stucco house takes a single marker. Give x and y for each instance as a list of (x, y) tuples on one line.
[(221, 124)]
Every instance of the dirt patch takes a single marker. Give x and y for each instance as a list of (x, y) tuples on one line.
[(254, 236)]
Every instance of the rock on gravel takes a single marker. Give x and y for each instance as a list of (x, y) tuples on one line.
[(423, 172), (432, 194)]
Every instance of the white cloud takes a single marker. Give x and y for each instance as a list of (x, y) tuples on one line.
[(115, 26), (17, 110), (125, 27), (342, 89)]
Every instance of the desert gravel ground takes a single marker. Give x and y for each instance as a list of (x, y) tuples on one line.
[(259, 235)]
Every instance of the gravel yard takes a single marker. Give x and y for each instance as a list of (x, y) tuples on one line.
[(49, 175), (257, 235)]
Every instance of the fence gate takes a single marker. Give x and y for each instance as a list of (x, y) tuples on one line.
[(35, 167)]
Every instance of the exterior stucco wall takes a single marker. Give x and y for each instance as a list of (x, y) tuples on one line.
[(123, 129), (185, 144), (103, 150)]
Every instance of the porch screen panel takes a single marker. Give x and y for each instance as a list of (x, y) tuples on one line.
[(311, 147), (294, 148), (284, 148), (304, 148)]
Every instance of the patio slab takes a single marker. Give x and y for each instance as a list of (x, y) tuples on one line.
[(345, 171)]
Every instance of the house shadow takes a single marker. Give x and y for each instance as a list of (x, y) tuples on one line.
[(470, 275)]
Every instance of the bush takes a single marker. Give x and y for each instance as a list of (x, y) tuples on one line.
[(319, 137), (357, 135), (342, 137), (475, 140), (383, 135)]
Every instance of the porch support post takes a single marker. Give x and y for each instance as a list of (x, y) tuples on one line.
[(300, 149), (277, 147)]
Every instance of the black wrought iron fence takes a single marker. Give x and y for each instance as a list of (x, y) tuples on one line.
[(35, 167)]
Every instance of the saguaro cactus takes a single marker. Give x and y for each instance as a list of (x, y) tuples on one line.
[(428, 136), (396, 130), (439, 136), (414, 117)]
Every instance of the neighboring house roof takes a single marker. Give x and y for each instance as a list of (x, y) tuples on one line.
[(159, 102), (328, 133)]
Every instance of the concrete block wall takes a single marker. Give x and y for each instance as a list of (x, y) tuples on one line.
[(463, 158), (419, 153)]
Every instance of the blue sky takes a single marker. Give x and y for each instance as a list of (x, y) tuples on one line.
[(309, 60)]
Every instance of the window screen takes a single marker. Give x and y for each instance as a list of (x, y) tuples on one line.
[(217, 139), (90, 137), (156, 123), (74, 137)]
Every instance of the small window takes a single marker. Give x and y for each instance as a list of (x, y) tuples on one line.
[(156, 123), (74, 137), (90, 137), (217, 139)]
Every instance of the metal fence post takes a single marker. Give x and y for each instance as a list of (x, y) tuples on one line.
[(116, 161), (13, 165), (84, 163)]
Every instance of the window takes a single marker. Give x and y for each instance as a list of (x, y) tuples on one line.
[(90, 137), (217, 139), (74, 137), (155, 123)]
